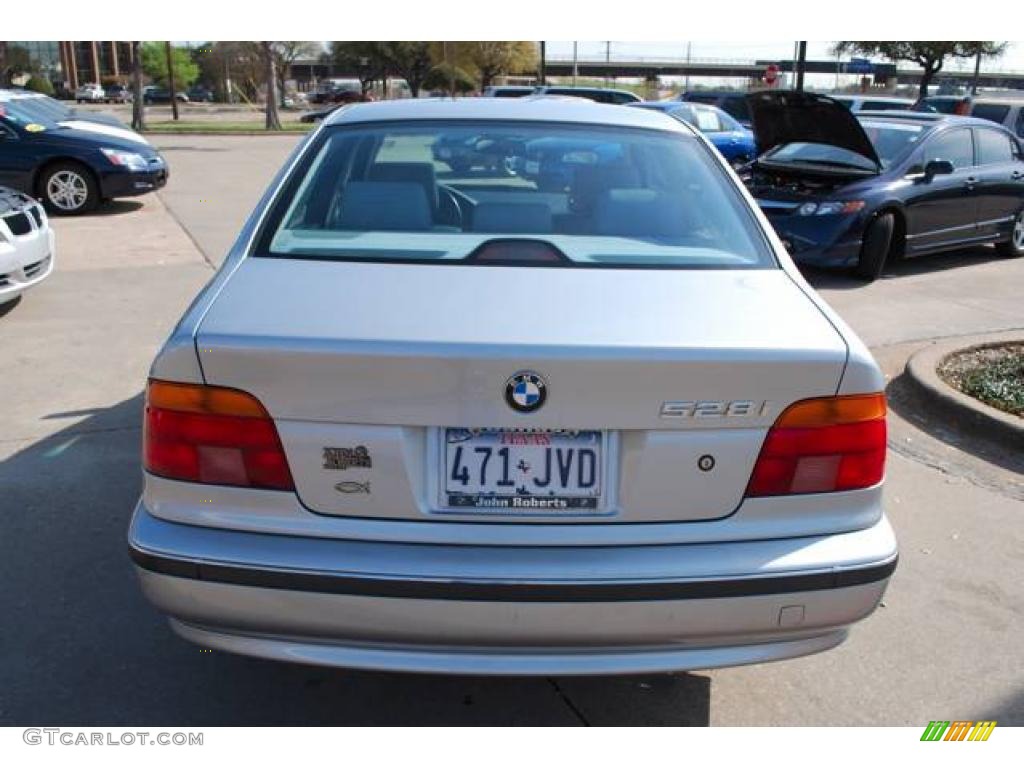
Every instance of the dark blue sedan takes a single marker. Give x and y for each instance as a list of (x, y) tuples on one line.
[(730, 138), (860, 191), (71, 165)]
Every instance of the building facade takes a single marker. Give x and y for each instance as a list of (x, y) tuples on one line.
[(71, 63)]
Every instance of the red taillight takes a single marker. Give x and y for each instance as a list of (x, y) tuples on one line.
[(212, 435), (821, 445)]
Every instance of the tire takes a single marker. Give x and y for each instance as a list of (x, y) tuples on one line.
[(68, 189), (875, 248), (1014, 247)]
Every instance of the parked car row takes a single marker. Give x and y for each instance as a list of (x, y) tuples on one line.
[(858, 182), (1007, 111), (68, 161), (72, 164), (863, 190)]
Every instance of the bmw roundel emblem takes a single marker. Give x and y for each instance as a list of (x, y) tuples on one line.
[(526, 392)]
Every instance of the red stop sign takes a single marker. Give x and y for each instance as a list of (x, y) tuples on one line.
[(771, 74)]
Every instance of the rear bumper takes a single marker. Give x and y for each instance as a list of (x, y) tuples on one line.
[(510, 610)]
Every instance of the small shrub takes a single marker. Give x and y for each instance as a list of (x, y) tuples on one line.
[(999, 384), (39, 85)]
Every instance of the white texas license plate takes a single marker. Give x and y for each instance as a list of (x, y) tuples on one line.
[(522, 471)]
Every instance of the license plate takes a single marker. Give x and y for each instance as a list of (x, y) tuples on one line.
[(522, 471)]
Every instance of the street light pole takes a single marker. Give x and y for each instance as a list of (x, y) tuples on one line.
[(801, 64), (575, 61), (686, 87)]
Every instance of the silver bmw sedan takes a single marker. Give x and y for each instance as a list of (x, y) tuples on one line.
[(512, 387)]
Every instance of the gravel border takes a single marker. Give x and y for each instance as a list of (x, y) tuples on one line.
[(961, 410)]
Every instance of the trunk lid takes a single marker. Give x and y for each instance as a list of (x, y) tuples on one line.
[(786, 117), (384, 356)]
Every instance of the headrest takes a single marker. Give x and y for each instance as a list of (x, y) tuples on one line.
[(384, 205)]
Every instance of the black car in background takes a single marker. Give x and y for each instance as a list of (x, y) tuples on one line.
[(72, 165), (732, 103), (845, 190), (200, 93), (118, 94), (154, 94)]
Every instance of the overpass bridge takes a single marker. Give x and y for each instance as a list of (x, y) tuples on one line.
[(650, 68)]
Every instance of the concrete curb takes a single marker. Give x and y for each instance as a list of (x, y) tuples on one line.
[(961, 410)]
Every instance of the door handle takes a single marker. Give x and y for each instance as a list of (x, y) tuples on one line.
[(1017, 175), (970, 181)]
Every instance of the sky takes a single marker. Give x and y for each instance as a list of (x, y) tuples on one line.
[(733, 49)]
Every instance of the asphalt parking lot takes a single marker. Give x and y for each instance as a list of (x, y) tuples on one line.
[(80, 645)]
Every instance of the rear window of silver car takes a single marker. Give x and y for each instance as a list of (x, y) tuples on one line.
[(545, 194)]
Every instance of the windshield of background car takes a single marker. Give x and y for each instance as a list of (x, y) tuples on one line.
[(29, 110), (891, 140), (551, 193)]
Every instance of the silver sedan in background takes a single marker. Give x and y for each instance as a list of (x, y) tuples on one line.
[(570, 411)]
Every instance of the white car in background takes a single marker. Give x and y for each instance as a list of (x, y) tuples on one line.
[(863, 102), (26, 244), (91, 92), (442, 419)]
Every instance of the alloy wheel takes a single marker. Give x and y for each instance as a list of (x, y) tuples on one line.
[(1018, 232), (67, 190)]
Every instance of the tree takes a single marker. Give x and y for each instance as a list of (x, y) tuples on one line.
[(410, 60), (14, 62), (364, 59), (138, 111), (930, 55), (154, 64), (170, 79), (285, 53), (270, 81), (444, 77), (491, 58), (231, 67)]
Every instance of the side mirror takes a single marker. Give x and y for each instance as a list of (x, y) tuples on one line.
[(937, 168)]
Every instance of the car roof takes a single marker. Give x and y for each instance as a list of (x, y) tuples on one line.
[(528, 109), (869, 97), (582, 89), (20, 93), (1008, 100), (663, 105), (930, 118)]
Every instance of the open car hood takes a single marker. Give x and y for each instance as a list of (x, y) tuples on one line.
[(784, 117)]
